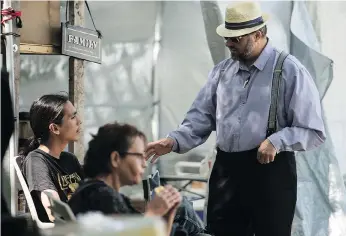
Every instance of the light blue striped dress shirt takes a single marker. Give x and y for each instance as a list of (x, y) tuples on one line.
[(238, 111)]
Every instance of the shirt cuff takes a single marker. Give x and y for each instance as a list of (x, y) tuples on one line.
[(275, 141), (175, 147)]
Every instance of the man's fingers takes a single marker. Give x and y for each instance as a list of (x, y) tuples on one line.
[(150, 146), (271, 158), (262, 158), (266, 159), (153, 160), (149, 153)]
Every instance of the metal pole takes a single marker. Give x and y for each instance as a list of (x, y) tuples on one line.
[(155, 84), (13, 147)]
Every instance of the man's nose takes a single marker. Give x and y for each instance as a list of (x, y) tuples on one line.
[(229, 43)]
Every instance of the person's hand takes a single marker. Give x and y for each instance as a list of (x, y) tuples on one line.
[(158, 148), (174, 208), (170, 215), (266, 152), (163, 202)]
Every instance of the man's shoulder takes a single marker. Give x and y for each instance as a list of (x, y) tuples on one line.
[(293, 70), (221, 66), (224, 63), (291, 63)]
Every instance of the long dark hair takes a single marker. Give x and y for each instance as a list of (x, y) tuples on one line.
[(110, 137), (44, 111)]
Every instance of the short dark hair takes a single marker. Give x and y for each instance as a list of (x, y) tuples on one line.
[(110, 137)]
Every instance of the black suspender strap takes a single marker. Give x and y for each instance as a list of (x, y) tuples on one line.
[(275, 92)]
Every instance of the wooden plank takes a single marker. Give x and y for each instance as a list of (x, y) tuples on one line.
[(26, 48), (41, 22), (76, 77)]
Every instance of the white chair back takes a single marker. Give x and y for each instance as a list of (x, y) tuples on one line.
[(28, 198)]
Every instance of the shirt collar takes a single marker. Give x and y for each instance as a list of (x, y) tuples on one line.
[(261, 60), (264, 56)]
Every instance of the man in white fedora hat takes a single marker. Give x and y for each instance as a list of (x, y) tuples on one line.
[(263, 105)]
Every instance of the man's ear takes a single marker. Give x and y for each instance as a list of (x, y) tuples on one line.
[(54, 129), (115, 159), (258, 35)]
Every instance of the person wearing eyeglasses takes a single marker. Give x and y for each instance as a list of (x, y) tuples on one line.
[(115, 158), (253, 183)]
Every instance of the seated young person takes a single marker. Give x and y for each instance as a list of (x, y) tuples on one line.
[(115, 158), (46, 167)]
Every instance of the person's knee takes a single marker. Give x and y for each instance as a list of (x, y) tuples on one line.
[(187, 218)]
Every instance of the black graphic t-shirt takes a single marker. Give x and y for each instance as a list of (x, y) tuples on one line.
[(45, 172), (95, 195)]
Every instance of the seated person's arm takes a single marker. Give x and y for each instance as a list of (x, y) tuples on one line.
[(46, 203), (40, 180), (165, 203)]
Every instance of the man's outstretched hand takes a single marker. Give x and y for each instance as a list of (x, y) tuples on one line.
[(158, 148)]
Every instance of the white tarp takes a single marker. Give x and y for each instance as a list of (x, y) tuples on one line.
[(121, 88)]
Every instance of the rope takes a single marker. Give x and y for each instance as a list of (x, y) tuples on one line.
[(91, 16), (10, 13)]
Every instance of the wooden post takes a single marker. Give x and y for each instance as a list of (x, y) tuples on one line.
[(76, 77)]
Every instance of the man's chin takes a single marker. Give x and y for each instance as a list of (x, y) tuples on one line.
[(235, 57)]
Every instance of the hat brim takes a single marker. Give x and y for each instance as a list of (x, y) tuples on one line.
[(223, 32)]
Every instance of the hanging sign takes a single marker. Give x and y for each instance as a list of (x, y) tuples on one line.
[(81, 43)]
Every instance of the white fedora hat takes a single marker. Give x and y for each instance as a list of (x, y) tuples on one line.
[(242, 18)]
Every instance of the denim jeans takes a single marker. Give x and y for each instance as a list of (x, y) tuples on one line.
[(187, 220)]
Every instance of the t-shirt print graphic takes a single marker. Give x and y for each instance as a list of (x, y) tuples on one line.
[(69, 183)]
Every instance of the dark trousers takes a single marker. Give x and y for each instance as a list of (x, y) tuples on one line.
[(247, 198)]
